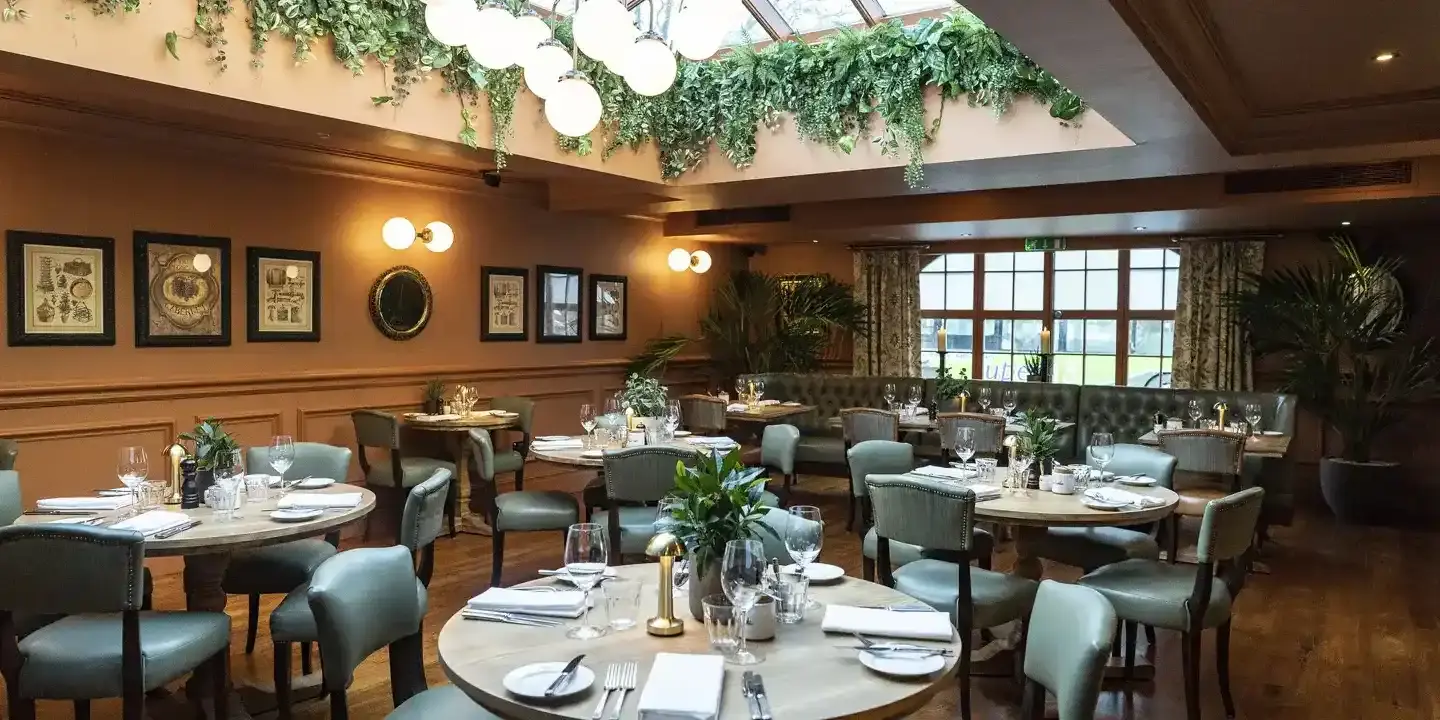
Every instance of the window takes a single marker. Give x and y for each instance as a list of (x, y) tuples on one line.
[(1112, 314)]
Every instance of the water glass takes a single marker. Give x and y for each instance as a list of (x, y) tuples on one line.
[(622, 602), (257, 488), (586, 554), (722, 625), (792, 592), (986, 468)]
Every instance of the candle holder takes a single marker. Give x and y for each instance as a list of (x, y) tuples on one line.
[(666, 547)]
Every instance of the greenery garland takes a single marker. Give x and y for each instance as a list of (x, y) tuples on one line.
[(832, 88)]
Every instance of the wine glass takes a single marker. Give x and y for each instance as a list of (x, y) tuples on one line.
[(889, 395), (985, 399), (1008, 399), (282, 456), (587, 420), (612, 406), (740, 391), (804, 536), (914, 398), (585, 559), (1194, 411), (742, 577), (132, 468), (672, 418), (965, 445), (1252, 416), (1102, 449), (759, 390)]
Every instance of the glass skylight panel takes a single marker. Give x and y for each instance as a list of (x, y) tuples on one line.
[(806, 16), (905, 7), (747, 32)]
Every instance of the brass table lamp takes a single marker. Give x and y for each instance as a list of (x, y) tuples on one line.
[(666, 547), (173, 455)]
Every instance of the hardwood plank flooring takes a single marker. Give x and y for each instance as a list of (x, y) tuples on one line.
[(1346, 627)]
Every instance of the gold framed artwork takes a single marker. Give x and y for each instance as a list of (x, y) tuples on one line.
[(503, 314), (61, 289), (182, 290), (282, 295)]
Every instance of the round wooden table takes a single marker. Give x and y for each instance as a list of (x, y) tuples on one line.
[(808, 674), (455, 432), (574, 456)]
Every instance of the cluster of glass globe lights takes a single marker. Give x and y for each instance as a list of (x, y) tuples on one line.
[(603, 30)]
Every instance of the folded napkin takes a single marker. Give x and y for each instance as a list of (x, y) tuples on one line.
[(791, 403), (558, 444), (98, 504), (922, 411), (566, 603), (683, 687), (717, 441), (985, 492), (767, 403), (944, 473), (1118, 496), (887, 623), (436, 418), (736, 407), (320, 500), (152, 522)]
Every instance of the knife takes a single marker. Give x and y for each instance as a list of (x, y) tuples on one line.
[(62, 512), (172, 532), (565, 676), (750, 699), (759, 684)]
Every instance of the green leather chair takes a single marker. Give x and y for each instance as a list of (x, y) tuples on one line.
[(989, 434), (777, 453), (10, 503), (778, 521), (703, 415), (395, 477), (294, 619), (517, 510), (513, 459), (1210, 464), (1067, 647), (938, 516), (858, 425), (635, 479), (1089, 548), (9, 450), (105, 646), (1186, 598), (278, 569), (366, 599)]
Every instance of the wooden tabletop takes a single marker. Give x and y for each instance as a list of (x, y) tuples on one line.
[(1272, 446), (573, 456), (767, 413), (478, 419), (253, 528), (1046, 509), (807, 674), (927, 425)]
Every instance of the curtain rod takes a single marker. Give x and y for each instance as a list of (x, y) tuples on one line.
[(906, 246)]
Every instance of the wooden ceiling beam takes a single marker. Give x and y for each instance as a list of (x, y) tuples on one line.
[(870, 10), (769, 18)]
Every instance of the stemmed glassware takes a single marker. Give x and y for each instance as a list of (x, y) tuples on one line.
[(586, 555), (672, 418), (1193, 408), (889, 395), (1252, 416), (132, 469), (965, 445), (1102, 449), (759, 390), (587, 421), (985, 399), (740, 394), (804, 536), (1008, 399), (914, 398), (742, 577), (282, 456)]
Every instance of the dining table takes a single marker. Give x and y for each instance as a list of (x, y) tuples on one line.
[(456, 428), (1265, 445), (593, 495), (807, 673), (923, 423)]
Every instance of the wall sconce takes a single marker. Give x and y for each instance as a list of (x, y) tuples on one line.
[(679, 260), (399, 233)]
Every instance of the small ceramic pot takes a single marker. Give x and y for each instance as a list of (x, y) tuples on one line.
[(760, 625), (1063, 481)]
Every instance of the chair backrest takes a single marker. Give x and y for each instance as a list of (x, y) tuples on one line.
[(1204, 451), (645, 473), (363, 600), (702, 414), (71, 569), (376, 429), (1068, 646), (989, 431), (1229, 525), (860, 424), (778, 521), (9, 450), (10, 507), (1142, 460), (311, 460), (922, 512), (878, 457), (522, 406), (482, 451), (777, 447), (423, 520)]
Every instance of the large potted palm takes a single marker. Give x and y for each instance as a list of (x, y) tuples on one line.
[(1338, 329)]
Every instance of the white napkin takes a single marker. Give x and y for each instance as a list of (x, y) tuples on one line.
[(436, 418), (566, 603), (736, 407), (575, 444), (768, 403), (320, 500), (152, 522), (683, 687), (1118, 496), (563, 575), (98, 504), (791, 403), (718, 441), (944, 473), (922, 411), (984, 492), (887, 623)]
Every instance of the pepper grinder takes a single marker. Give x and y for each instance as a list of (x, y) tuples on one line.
[(666, 547)]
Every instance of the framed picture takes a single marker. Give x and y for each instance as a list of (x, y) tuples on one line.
[(61, 289), (609, 307), (557, 303), (504, 303), (182, 290), (282, 295)]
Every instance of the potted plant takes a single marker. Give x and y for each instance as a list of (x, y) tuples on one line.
[(212, 446), (646, 399), (433, 401), (948, 389), (716, 501), (1338, 330), (1034, 369), (1039, 441)]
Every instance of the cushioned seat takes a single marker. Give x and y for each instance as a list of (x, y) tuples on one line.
[(1194, 499), (508, 461), (1092, 547), (446, 702), (275, 568), (820, 449), (415, 469), (79, 657), (905, 553), (769, 499), (536, 510), (292, 621), (997, 597), (637, 526), (1154, 593)]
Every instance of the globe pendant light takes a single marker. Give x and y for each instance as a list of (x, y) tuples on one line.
[(699, 32), (547, 65), (530, 31), (492, 43), (573, 107), (452, 23), (650, 65), (598, 25), (624, 38)]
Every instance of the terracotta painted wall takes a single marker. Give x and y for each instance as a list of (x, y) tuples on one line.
[(72, 408)]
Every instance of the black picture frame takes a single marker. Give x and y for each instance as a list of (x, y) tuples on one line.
[(253, 331), (15, 285), (488, 333), (594, 302), (143, 240), (544, 308)]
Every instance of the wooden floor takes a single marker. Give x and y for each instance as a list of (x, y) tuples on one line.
[(1344, 628)]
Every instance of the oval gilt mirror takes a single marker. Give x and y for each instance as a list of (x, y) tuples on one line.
[(400, 302)]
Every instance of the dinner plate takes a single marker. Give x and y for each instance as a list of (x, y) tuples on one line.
[(504, 413), (1094, 504), (296, 514), (821, 573), (592, 453), (314, 483), (1137, 481), (683, 433), (553, 438), (531, 681), (791, 404), (901, 665)]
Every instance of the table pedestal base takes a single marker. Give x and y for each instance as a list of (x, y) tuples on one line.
[(467, 520)]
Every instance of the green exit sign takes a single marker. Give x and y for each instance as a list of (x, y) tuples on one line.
[(1044, 244)]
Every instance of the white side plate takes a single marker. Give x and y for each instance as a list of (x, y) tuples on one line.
[(899, 665), (296, 515), (531, 681)]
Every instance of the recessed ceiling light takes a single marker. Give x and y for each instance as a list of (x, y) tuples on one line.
[(323, 135), (1345, 223), (1385, 56), (964, 234), (814, 241), (1140, 228)]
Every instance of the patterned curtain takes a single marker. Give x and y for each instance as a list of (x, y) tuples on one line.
[(1209, 352), (888, 283)]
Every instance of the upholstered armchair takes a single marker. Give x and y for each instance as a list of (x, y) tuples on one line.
[(10, 503), (1066, 650), (989, 433), (778, 444), (635, 479), (517, 510), (1209, 465), (396, 473), (858, 425), (9, 450), (703, 415), (512, 459)]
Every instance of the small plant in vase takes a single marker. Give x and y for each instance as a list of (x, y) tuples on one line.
[(1034, 369), (212, 446), (948, 389), (646, 399), (433, 401), (1039, 441)]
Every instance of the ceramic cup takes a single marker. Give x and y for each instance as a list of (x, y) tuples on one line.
[(1063, 481), (760, 625)]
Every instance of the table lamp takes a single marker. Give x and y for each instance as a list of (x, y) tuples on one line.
[(173, 455), (666, 547), (1221, 408)]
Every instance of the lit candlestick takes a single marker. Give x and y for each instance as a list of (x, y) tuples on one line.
[(940, 338), (1045, 340)]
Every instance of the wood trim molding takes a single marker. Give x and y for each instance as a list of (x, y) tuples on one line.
[(84, 430), (275, 417), (304, 415)]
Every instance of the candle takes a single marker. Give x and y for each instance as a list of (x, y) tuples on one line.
[(940, 338), (1045, 340)]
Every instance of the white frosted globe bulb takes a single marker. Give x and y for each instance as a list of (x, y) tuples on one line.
[(624, 40), (599, 28), (398, 233), (573, 108), (452, 23), (699, 33), (493, 42), (441, 237), (530, 31), (650, 65), (678, 260), (550, 61)]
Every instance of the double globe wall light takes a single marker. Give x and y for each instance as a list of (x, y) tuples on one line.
[(681, 260), (603, 30), (399, 233)]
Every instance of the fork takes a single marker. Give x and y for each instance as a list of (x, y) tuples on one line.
[(627, 683), (612, 683)]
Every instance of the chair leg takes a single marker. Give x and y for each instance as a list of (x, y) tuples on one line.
[(1189, 663), (339, 707), (452, 506), (497, 557), (220, 683), (82, 710), (254, 623), (520, 478), (1130, 632), (1115, 641), (1222, 667), (282, 681), (1033, 706), (964, 672), (1150, 638), (1174, 551), (305, 658), (24, 708), (401, 495), (850, 520), (867, 569)]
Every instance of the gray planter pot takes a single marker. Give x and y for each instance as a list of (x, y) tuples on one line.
[(701, 585), (1360, 492)]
